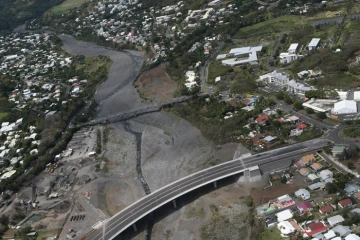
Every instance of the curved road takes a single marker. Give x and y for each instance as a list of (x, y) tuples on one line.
[(121, 221)]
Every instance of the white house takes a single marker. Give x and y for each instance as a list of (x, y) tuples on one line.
[(303, 193), (276, 77), (314, 43), (335, 220), (284, 215), (285, 228), (293, 48)]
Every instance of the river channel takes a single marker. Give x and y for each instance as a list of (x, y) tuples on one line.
[(117, 93)]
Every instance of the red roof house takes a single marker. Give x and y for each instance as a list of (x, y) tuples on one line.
[(262, 118), (301, 126), (345, 203), (357, 195), (326, 209), (314, 228)]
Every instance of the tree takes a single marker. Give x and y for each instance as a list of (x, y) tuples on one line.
[(298, 105), (330, 188), (310, 111), (288, 100), (280, 95), (351, 165), (321, 115)]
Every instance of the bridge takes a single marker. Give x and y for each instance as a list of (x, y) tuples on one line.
[(112, 227), (134, 113)]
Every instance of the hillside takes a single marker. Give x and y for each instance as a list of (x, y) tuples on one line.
[(14, 13)]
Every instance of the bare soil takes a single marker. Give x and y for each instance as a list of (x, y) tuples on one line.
[(156, 85), (273, 192)]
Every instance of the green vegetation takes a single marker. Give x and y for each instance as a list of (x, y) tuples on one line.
[(352, 132), (208, 117), (333, 65), (67, 5), (275, 25), (14, 13), (271, 234), (216, 69)]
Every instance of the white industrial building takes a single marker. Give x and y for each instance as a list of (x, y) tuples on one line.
[(243, 55), (298, 88), (314, 43), (320, 105), (276, 77), (343, 95), (345, 107)]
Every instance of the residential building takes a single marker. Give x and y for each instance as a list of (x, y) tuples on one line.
[(262, 119), (304, 171), (325, 174), (286, 58), (293, 48), (270, 139), (285, 228), (314, 228), (317, 166), (341, 230), (317, 186), (314, 43), (345, 203), (304, 206), (345, 107), (308, 159), (357, 195), (327, 209), (284, 215), (319, 105), (335, 220), (352, 236), (303, 193), (351, 188), (312, 177), (329, 235)]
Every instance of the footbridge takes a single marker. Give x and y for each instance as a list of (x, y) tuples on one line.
[(115, 225), (121, 116)]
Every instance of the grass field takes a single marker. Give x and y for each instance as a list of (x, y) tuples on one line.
[(3, 115), (271, 234), (275, 25), (66, 6)]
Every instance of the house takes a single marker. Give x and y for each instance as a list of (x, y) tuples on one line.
[(312, 177), (345, 203), (298, 88), (285, 228), (351, 188), (262, 119), (303, 193), (304, 206), (352, 236), (314, 228), (335, 220), (316, 166), (284, 215), (314, 43), (357, 195), (293, 48), (341, 230), (337, 151), (288, 57), (325, 174), (269, 139), (326, 209), (329, 235), (304, 171), (308, 159), (302, 127), (317, 186)]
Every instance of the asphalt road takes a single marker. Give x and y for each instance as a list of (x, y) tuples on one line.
[(144, 206)]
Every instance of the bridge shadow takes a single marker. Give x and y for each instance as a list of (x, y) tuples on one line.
[(168, 209)]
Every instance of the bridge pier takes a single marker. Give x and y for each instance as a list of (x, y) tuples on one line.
[(215, 184), (134, 227), (174, 203)]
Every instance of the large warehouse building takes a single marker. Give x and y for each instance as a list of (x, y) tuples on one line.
[(345, 107)]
